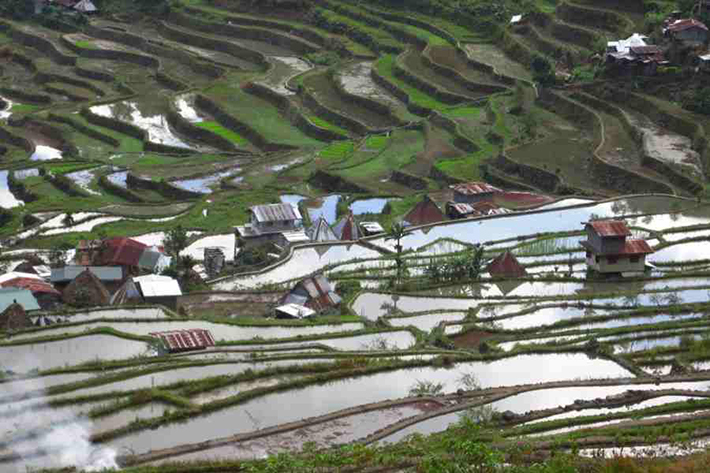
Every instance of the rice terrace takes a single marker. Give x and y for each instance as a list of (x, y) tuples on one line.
[(355, 236)]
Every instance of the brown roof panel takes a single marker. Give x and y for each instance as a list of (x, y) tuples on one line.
[(506, 265), (474, 188), (425, 212), (685, 24), (33, 285), (610, 228), (636, 247)]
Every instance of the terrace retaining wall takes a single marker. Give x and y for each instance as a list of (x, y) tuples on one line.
[(170, 82), (43, 77), (232, 49), (163, 188), (545, 180), (413, 22), (19, 141), (372, 105), (255, 34), (113, 124), (228, 121), (458, 78), (603, 19), (42, 45), (196, 133), (460, 141), (91, 74), (401, 72), (310, 100), (54, 133), (291, 111), (23, 96), (85, 130), (333, 183), (65, 185), (24, 61), (112, 55), (119, 191), (400, 94), (408, 180), (19, 190)]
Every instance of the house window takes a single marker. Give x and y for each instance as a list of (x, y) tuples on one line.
[(634, 259), (612, 259)]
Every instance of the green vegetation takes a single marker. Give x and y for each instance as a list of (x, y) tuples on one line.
[(337, 151), (218, 129)]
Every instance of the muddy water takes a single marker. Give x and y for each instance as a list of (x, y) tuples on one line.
[(43, 356), (25, 173), (224, 242), (145, 117), (284, 69), (667, 146), (124, 417), (118, 178), (185, 105), (372, 305), (303, 262), (426, 322), (45, 153), (290, 406), (219, 331), (325, 207), (7, 199), (557, 220), (357, 79), (369, 206), (203, 184), (83, 179)]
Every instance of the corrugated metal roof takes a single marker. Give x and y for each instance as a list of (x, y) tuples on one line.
[(474, 188), (346, 229), (610, 228), (637, 247), (462, 209), (296, 310), (33, 285), (17, 274), (149, 258), (321, 231), (121, 251), (372, 228), (276, 212), (9, 295), (295, 237), (158, 286), (681, 25), (69, 273), (185, 340)]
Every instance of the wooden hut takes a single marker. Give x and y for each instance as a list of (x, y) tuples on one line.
[(426, 212), (86, 290), (13, 318)]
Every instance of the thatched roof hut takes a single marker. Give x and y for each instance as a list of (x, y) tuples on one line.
[(14, 318), (86, 290)]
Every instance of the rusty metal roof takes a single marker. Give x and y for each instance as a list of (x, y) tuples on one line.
[(31, 284), (276, 212), (425, 212), (506, 265), (474, 188), (646, 50), (346, 229), (636, 247), (185, 340), (610, 228), (462, 209), (682, 25)]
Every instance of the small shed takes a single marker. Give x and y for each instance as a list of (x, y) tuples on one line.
[(506, 265), (460, 210), (315, 292), (86, 6), (86, 290), (347, 229), (176, 341), (13, 295), (162, 290), (688, 30), (321, 231), (293, 311), (14, 318), (426, 212)]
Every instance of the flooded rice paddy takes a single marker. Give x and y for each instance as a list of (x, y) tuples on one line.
[(284, 68), (7, 199), (45, 153)]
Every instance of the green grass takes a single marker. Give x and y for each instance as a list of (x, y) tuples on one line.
[(318, 121), (66, 168), (376, 142), (218, 129), (337, 151), (23, 108), (402, 150), (85, 44), (423, 34), (379, 35), (461, 112), (385, 67)]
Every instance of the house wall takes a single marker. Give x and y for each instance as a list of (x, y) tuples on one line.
[(605, 245), (694, 35), (169, 302), (623, 264)]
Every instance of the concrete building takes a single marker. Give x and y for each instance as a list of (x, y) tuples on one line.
[(610, 250), (269, 223)]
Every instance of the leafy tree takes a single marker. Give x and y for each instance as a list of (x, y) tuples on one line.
[(397, 232), (543, 71), (68, 220), (175, 241), (17, 9)]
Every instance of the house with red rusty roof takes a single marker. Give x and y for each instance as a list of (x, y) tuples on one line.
[(506, 265), (426, 212), (131, 255), (315, 293), (473, 192), (610, 250), (347, 229), (687, 30), (45, 293)]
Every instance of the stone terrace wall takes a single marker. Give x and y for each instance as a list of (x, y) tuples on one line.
[(42, 45), (400, 94), (163, 188)]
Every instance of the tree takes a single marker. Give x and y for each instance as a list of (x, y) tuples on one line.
[(397, 232), (175, 241), (68, 220), (543, 72)]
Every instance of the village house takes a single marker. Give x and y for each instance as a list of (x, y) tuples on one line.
[(315, 293), (346, 229), (14, 317), (109, 276), (473, 192), (704, 63), (687, 31), (45, 294), (13, 295), (321, 232), (272, 223), (426, 212), (610, 250)]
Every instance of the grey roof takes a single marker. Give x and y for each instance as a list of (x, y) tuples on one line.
[(104, 273), (321, 231), (276, 212), (22, 296), (149, 259)]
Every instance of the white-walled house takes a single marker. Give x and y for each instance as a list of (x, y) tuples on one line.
[(610, 250)]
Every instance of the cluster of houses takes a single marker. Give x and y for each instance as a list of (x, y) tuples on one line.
[(637, 55), (115, 271), (74, 6)]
